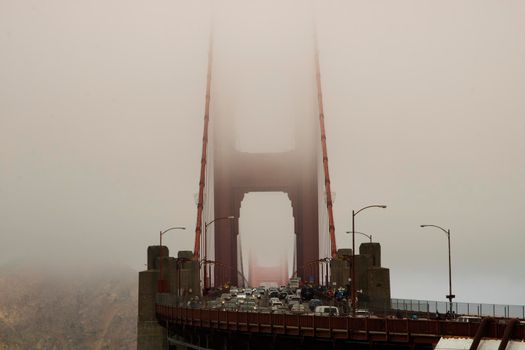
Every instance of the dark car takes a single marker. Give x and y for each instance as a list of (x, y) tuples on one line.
[(314, 303), (307, 293), (340, 294), (273, 294)]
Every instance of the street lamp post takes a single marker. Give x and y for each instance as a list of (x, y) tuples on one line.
[(450, 296), (206, 247), (161, 285), (354, 213), (362, 233)]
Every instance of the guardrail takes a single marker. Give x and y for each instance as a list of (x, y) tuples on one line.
[(423, 331), (459, 308), (401, 308)]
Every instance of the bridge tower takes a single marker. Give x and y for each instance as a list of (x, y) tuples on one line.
[(294, 99), (293, 172)]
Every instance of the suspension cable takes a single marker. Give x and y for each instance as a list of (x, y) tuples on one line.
[(198, 226), (329, 203)]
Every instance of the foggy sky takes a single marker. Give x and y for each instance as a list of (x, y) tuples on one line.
[(101, 107)]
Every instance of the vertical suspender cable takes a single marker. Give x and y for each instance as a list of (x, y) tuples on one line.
[(329, 203), (200, 205)]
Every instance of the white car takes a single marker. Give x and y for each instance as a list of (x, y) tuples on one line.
[(277, 305), (272, 301), (325, 310), (469, 319), (298, 309), (362, 313)]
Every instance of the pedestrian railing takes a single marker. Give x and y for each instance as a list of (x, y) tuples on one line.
[(400, 308), (458, 308)]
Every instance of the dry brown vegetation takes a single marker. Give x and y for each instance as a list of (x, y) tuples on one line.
[(81, 308)]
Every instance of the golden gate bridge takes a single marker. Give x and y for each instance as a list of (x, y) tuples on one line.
[(177, 295)]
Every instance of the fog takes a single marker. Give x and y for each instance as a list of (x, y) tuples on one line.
[(101, 116)]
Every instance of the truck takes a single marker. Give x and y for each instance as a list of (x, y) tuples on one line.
[(294, 283)]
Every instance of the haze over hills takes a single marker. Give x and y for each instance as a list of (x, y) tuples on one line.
[(52, 307)]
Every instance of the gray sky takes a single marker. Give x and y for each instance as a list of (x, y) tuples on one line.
[(101, 108)]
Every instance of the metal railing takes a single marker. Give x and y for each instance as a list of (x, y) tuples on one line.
[(459, 308), (399, 308), (373, 329)]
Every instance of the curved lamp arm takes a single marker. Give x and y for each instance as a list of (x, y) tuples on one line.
[(362, 233), (369, 206), (172, 228), (221, 218), (439, 227)]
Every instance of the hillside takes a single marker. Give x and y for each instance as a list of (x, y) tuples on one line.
[(79, 308)]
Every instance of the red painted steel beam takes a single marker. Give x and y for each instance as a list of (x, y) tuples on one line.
[(361, 329), (508, 333), (481, 332), (329, 202), (204, 156)]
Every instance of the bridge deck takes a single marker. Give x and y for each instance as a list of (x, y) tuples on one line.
[(369, 329)]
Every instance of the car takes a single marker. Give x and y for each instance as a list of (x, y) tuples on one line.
[(281, 311), (230, 306), (298, 309), (226, 296), (362, 313), (274, 300), (264, 309), (273, 294), (278, 306), (292, 300), (248, 308), (312, 304), (212, 304), (294, 282), (325, 310), (193, 304), (340, 294), (468, 319), (307, 293), (283, 295), (251, 303)]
